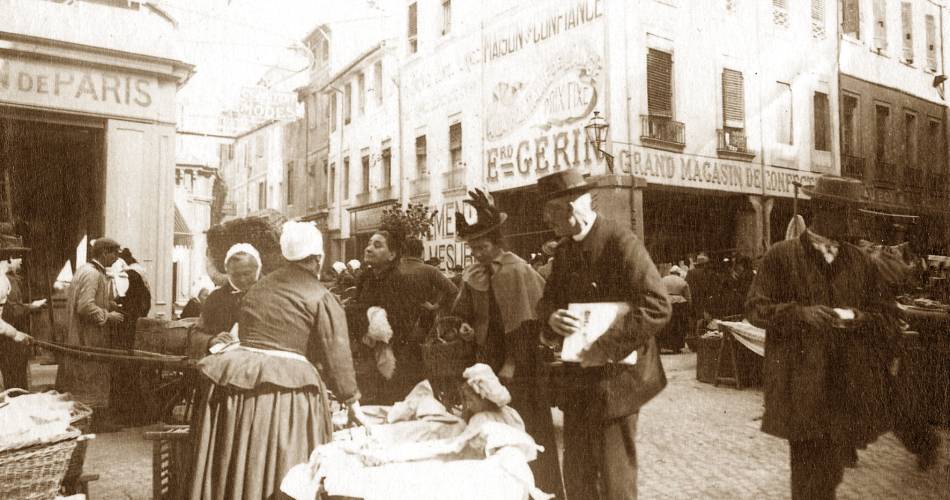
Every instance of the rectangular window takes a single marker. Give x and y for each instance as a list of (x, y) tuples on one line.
[(455, 146), (660, 83), (910, 138), (851, 18), (290, 183), (446, 16), (331, 184), (422, 169), (365, 179), (880, 25), (333, 111), (347, 103), (261, 195), (378, 75), (346, 178), (733, 99), (931, 43), (822, 122), (361, 90), (411, 32), (783, 114), (907, 32), (387, 159), (849, 116), (882, 115)]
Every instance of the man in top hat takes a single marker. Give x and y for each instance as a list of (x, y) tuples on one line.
[(600, 260), (500, 291), (830, 322), (93, 314)]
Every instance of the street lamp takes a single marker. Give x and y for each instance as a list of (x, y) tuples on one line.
[(596, 131)]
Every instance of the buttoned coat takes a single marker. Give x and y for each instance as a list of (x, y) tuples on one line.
[(611, 265)]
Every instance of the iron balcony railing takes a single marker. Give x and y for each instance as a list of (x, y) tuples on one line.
[(732, 141), (852, 166), (663, 129)]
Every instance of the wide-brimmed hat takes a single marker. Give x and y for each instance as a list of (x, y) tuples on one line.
[(488, 217), (836, 189), (563, 183)]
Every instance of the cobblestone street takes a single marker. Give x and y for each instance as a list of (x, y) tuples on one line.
[(695, 441)]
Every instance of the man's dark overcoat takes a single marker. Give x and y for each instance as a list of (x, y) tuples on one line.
[(611, 265), (827, 383)]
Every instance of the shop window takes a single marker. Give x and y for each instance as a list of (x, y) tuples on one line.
[(361, 91), (364, 163), (412, 33), (822, 122), (446, 16), (907, 32), (347, 103), (880, 25), (818, 18), (378, 75), (931, 43), (290, 183), (387, 159), (851, 18), (783, 114), (346, 178)]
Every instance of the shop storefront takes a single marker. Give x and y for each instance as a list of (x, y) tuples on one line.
[(87, 139)]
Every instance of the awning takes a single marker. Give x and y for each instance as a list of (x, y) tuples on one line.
[(182, 231)]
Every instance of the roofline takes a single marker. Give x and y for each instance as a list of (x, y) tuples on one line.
[(360, 58), (255, 129)]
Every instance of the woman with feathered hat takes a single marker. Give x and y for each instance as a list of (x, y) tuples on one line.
[(498, 297)]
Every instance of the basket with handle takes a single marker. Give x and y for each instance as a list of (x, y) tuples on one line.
[(35, 472), (443, 355)]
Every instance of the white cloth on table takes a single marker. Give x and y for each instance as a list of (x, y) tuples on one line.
[(747, 334)]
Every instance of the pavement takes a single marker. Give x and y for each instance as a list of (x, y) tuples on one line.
[(694, 441)]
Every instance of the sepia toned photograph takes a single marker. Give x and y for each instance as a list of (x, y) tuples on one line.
[(474, 249)]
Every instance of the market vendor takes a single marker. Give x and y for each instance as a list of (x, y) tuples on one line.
[(262, 405), (498, 298), (222, 307)]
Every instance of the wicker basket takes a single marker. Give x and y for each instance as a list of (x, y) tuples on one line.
[(446, 359), (35, 472), (81, 419)]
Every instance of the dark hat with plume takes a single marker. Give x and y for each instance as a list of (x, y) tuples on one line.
[(488, 217)]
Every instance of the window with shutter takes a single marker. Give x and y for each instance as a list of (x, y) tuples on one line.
[(907, 32), (387, 159), (822, 122), (421, 168), (412, 32), (931, 43), (455, 145), (880, 25), (660, 83), (850, 18), (347, 103), (733, 99), (378, 72), (780, 12), (818, 18), (346, 178)]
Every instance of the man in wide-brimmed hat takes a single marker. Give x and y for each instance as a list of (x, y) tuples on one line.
[(500, 291), (829, 322), (600, 260)]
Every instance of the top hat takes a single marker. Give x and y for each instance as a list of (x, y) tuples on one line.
[(563, 183), (836, 189), (488, 217)]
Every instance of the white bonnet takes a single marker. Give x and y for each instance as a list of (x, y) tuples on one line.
[(299, 240), (245, 248), (485, 383), (354, 264), (339, 267)]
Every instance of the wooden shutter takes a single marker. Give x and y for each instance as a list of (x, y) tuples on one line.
[(822, 122), (851, 18), (880, 25), (412, 20), (733, 99), (907, 31), (455, 136), (659, 83), (931, 43)]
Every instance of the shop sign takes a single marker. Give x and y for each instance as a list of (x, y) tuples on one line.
[(702, 172), (65, 87), (543, 79), (263, 104), (443, 243)]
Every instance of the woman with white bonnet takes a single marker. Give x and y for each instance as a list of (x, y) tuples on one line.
[(263, 405), (220, 310)]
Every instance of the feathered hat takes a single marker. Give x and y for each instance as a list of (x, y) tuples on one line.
[(488, 217)]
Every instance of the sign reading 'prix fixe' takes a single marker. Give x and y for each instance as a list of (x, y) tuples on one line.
[(68, 87)]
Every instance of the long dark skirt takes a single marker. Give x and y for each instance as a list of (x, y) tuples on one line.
[(247, 440)]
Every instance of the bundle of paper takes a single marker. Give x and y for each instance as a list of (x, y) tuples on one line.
[(596, 319)]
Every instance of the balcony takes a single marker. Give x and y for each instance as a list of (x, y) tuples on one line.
[(419, 188), (732, 145), (852, 166), (885, 175), (937, 184), (453, 180), (662, 132)]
